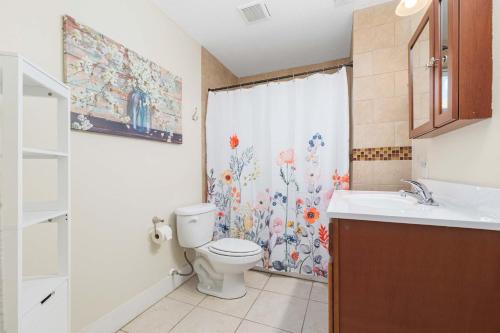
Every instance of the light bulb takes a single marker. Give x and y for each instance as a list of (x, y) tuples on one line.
[(410, 7), (410, 3)]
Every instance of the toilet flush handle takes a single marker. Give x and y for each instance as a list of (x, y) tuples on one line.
[(193, 220)]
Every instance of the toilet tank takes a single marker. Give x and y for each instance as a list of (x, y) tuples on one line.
[(195, 224)]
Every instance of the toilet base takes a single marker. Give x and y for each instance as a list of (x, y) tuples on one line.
[(230, 287)]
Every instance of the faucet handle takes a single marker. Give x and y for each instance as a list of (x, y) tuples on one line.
[(416, 186)]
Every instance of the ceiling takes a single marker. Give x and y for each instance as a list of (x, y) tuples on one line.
[(299, 32)]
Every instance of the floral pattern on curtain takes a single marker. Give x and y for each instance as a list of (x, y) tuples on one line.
[(277, 196)]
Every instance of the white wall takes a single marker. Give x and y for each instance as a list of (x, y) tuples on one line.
[(118, 184), (472, 154)]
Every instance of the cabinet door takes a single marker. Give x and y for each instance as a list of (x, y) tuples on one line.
[(421, 64), (446, 14)]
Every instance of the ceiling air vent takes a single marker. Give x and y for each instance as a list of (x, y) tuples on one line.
[(254, 12)]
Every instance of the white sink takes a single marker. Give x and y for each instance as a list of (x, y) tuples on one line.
[(381, 200), (480, 210)]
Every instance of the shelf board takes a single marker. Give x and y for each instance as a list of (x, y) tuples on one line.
[(35, 289), (33, 153), (37, 82), (35, 217)]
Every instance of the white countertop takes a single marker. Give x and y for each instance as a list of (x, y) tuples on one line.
[(462, 206)]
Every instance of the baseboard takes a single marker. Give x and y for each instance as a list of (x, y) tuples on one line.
[(116, 319)]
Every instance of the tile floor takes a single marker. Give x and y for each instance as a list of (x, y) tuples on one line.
[(273, 304)]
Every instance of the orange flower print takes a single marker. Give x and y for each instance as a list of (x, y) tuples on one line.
[(236, 194), (311, 215), (341, 182), (323, 236), (294, 255), (227, 177), (286, 157), (234, 141)]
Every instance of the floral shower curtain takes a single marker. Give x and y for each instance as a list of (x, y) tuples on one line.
[(275, 154)]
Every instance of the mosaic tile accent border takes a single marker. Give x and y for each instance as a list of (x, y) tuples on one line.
[(382, 154)]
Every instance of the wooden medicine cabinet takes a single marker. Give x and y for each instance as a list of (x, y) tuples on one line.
[(450, 67)]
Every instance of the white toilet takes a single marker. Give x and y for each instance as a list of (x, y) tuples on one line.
[(219, 264)]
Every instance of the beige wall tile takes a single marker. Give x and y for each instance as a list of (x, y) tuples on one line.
[(384, 13), (390, 109), (362, 112), (390, 172), (383, 36), (362, 19), (362, 64), (373, 16), (364, 88), (371, 87), (362, 173), (402, 134), (384, 85), (362, 40), (401, 83), (403, 31), (373, 135), (380, 93), (390, 59), (373, 38)]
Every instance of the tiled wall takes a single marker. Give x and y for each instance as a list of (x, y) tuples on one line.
[(380, 95)]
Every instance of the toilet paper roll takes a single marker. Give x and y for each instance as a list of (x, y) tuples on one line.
[(163, 233)]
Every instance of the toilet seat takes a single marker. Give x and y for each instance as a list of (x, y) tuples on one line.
[(234, 247)]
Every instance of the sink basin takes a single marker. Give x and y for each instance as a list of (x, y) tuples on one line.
[(376, 200), (392, 207)]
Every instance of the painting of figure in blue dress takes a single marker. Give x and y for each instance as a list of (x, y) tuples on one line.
[(116, 91)]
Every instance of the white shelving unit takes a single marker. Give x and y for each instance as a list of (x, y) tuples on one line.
[(34, 303)]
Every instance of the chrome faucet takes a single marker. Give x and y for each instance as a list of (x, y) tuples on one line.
[(420, 192)]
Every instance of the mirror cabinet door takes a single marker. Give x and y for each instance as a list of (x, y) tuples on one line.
[(445, 46), (421, 76)]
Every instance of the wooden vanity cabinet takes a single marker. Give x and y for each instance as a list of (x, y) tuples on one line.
[(407, 278), (450, 67)]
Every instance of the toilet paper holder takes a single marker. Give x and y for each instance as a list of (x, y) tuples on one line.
[(157, 220)]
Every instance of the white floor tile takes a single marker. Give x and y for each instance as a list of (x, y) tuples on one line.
[(160, 318), (289, 286), (235, 307), (188, 293), (205, 321), (316, 318), (319, 292), (256, 279), (251, 327), (279, 311)]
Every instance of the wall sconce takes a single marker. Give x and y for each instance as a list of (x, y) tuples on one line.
[(410, 7)]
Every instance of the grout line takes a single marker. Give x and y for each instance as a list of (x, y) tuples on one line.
[(281, 329), (305, 316), (278, 293), (140, 314), (183, 317), (310, 291), (253, 303)]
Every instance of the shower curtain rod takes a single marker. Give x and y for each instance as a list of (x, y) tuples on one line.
[(291, 76)]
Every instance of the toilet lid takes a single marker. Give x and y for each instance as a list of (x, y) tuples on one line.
[(234, 247)]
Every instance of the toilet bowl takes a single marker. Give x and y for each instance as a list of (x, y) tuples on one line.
[(219, 264)]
